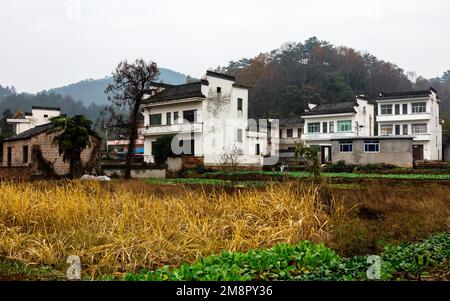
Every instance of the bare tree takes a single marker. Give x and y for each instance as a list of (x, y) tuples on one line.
[(131, 82), (230, 158)]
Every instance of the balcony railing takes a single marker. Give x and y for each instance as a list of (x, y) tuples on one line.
[(172, 129)]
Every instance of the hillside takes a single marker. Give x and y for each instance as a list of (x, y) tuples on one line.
[(92, 90)]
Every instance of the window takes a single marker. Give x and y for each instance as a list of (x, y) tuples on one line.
[(9, 156), (190, 116), (419, 128), (314, 127), (257, 150), (397, 109), (386, 129), (325, 127), (331, 126), (397, 129), (281, 133), (289, 133), (155, 119), (419, 107), (386, 109), (344, 126), (25, 153), (239, 135), (219, 90), (175, 117), (405, 129), (371, 146), (239, 104), (345, 146), (45, 116), (168, 118), (405, 109), (299, 133)]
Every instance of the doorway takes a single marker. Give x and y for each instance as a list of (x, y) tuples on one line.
[(325, 154), (418, 152)]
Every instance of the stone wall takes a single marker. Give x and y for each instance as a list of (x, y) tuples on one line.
[(49, 152), (15, 173), (140, 173)]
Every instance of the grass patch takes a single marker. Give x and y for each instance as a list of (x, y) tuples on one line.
[(345, 175), (12, 270)]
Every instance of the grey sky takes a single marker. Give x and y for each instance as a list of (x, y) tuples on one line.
[(49, 43)]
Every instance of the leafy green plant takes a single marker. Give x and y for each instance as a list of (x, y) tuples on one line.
[(309, 153), (307, 261)]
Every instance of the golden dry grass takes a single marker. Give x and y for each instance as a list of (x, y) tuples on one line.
[(114, 228)]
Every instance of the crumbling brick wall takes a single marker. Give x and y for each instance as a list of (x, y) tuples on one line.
[(49, 153)]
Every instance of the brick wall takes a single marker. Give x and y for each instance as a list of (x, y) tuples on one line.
[(49, 152), (21, 173)]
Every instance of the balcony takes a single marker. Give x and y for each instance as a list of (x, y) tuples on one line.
[(290, 140), (327, 136), (172, 129), (405, 117)]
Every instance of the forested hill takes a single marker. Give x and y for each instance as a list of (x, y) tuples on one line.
[(285, 79), (93, 90)]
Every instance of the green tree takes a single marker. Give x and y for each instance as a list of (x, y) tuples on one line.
[(309, 153), (73, 136), (445, 128), (295, 100), (6, 129)]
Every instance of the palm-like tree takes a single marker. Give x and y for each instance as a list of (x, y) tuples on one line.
[(73, 138)]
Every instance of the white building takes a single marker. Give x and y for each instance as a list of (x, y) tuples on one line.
[(413, 113), (209, 116), (38, 116), (290, 133), (328, 121)]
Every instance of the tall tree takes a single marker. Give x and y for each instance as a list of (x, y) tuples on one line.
[(131, 82), (6, 129), (73, 136)]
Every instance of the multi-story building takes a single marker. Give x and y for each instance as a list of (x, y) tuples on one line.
[(328, 121), (289, 135), (37, 117), (413, 113), (209, 119)]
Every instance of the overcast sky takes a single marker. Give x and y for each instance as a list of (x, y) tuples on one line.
[(50, 43)]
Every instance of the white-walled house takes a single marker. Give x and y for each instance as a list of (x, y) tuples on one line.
[(290, 132), (38, 116), (328, 121), (413, 113), (210, 116)]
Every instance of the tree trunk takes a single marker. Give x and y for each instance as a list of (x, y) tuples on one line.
[(133, 132), (76, 167)]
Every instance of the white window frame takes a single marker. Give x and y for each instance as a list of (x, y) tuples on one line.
[(331, 127), (386, 126), (339, 124), (370, 143), (345, 143), (405, 126), (414, 127), (315, 124), (385, 108), (418, 107)]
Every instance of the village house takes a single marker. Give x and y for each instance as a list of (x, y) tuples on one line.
[(32, 153), (327, 121), (289, 135), (210, 120), (413, 113), (38, 116)]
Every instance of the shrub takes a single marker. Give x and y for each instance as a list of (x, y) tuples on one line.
[(339, 166), (376, 167), (162, 149)]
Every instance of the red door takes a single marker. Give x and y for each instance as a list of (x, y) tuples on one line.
[(418, 152)]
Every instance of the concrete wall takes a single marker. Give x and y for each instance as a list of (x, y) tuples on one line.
[(136, 173), (392, 151)]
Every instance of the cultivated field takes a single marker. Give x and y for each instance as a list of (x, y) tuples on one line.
[(124, 227)]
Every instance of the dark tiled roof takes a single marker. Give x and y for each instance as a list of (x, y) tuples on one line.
[(190, 90), (333, 108), (405, 94), (31, 132), (241, 86), (286, 122), (46, 108), (220, 75)]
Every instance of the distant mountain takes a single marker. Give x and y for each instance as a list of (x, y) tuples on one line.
[(93, 90)]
